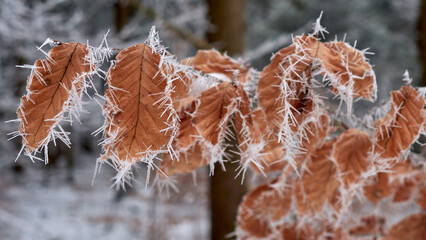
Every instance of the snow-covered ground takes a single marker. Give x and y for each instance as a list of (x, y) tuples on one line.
[(39, 203)]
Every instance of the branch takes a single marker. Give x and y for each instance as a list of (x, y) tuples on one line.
[(182, 33), (272, 45)]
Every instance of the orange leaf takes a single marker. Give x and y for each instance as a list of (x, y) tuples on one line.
[(316, 133), (399, 182), (370, 225), (411, 228), (422, 195), (380, 188), (187, 161), (272, 156), (403, 191), (211, 61), (51, 88), (319, 184), (244, 120), (292, 231), (401, 126), (349, 66), (290, 67), (135, 121), (214, 111), (188, 133), (261, 208), (307, 232), (351, 153), (180, 89)]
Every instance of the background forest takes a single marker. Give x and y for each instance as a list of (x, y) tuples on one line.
[(58, 201)]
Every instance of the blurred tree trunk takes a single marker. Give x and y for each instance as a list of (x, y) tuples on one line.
[(421, 28), (227, 18), (227, 33), (124, 11)]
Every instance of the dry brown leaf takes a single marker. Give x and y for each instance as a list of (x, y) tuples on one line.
[(380, 188), (271, 77), (400, 182), (259, 120), (272, 156), (187, 161), (211, 61), (319, 184), (331, 232), (292, 231), (370, 225), (309, 232), (272, 153), (244, 119), (135, 119), (351, 154), (403, 191), (187, 135), (316, 134), (344, 61), (180, 89), (49, 92), (404, 179), (422, 194), (213, 115), (410, 228), (262, 207), (401, 126)]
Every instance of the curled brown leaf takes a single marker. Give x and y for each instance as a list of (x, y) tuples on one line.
[(402, 124), (211, 61)]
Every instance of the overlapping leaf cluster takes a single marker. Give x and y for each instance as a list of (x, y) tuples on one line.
[(176, 116)]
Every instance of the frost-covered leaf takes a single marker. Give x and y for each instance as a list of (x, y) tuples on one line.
[(281, 86), (54, 87), (137, 109), (214, 111), (319, 183), (370, 225), (212, 62), (292, 231), (400, 181), (316, 133), (187, 161), (260, 209), (272, 156), (305, 231), (402, 124), (250, 127), (347, 69), (379, 189), (422, 194), (410, 228), (187, 133), (404, 190), (180, 85), (351, 154)]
